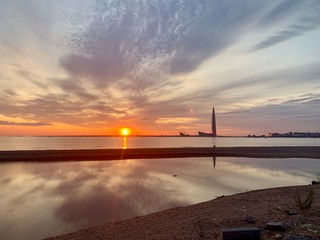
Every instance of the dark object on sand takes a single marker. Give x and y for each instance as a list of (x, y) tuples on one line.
[(276, 226), (296, 237), (248, 233)]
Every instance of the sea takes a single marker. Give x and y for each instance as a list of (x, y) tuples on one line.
[(56, 143), (41, 199)]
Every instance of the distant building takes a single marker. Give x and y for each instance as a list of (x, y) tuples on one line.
[(181, 134), (214, 124), (204, 134), (213, 127), (296, 134)]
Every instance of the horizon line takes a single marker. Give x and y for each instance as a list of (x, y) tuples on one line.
[(113, 135)]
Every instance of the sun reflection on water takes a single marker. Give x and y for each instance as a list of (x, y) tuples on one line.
[(124, 143)]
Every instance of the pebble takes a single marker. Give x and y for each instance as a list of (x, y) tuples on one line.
[(278, 236), (296, 237), (276, 226), (310, 227), (249, 219), (292, 212)]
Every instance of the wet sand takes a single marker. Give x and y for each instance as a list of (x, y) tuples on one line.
[(141, 153)]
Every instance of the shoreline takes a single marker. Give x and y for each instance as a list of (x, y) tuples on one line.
[(142, 153), (265, 205)]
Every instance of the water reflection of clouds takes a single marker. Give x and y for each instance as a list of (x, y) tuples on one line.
[(69, 186), (74, 193), (97, 205), (105, 202), (6, 180), (82, 194), (292, 166), (117, 190), (263, 173), (196, 180), (26, 195)]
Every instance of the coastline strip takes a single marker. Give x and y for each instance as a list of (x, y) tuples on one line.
[(141, 153)]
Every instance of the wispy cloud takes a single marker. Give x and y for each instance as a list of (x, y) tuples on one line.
[(140, 44), (308, 19), (31, 124), (175, 120), (289, 115)]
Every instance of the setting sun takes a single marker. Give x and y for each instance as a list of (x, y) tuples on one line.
[(125, 131)]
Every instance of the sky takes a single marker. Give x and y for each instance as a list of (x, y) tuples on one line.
[(91, 67)]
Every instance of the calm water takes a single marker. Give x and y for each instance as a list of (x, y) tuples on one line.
[(28, 143), (38, 200)]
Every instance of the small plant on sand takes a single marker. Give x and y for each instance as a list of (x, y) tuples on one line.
[(198, 227), (306, 204)]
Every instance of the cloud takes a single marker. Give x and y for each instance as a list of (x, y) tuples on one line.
[(298, 113), (146, 61), (73, 105), (284, 35), (72, 86), (281, 11), (9, 92), (272, 82), (102, 69), (176, 120), (137, 45), (308, 20), (30, 124), (29, 23)]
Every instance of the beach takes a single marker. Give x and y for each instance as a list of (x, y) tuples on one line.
[(205, 220), (141, 153)]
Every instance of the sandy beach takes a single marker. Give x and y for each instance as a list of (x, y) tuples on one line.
[(139, 153), (205, 220)]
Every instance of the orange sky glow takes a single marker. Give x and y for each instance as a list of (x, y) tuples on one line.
[(159, 67)]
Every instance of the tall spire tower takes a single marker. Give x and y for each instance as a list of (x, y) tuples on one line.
[(213, 124)]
